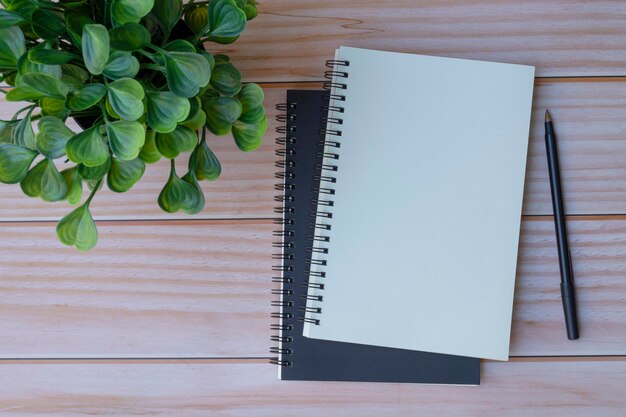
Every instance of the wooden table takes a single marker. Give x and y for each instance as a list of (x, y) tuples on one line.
[(169, 315)]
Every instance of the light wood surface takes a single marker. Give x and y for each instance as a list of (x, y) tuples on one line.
[(291, 39), (186, 389), (202, 289), (169, 315)]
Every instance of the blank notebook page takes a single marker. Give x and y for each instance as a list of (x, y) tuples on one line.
[(425, 224)]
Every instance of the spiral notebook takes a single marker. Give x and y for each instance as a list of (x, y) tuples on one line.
[(417, 236), (301, 358)]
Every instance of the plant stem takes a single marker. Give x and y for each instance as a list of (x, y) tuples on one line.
[(106, 13), (30, 108), (146, 54), (93, 192), (153, 67), (172, 168), (104, 112)]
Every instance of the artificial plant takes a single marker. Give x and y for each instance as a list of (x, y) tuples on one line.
[(136, 76)]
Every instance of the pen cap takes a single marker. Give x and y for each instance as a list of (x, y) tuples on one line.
[(569, 309)]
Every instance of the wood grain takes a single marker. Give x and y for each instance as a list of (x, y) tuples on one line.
[(526, 389), (192, 289), (598, 249), (590, 119), (290, 40), (202, 289)]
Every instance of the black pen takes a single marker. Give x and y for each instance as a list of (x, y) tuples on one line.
[(568, 295)]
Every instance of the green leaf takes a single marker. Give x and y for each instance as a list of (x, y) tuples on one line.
[(130, 11), (129, 37), (52, 137), (191, 179), (74, 76), (166, 110), (197, 18), (78, 229), (121, 65), (210, 59), (26, 66), (149, 152), (221, 113), (253, 115), (181, 139), (31, 184), (14, 162), (6, 131), (46, 84), (226, 79), (204, 163), (95, 46), (8, 19), (53, 107), (250, 11), (126, 138), (47, 25), (249, 136), (226, 20), (74, 185), (186, 73), (23, 94), (126, 98), (124, 174), (178, 195), (180, 45), (88, 148), (23, 7), (94, 173), (251, 96), (45, 181), (12, 46), (197, 117), (85, 97), (75, 22), (110, 111), (50, 56), (168, 13), (24, 135)]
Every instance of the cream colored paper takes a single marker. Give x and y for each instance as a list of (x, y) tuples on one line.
[(427, 207)]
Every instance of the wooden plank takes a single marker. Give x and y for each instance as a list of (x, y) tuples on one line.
[(202, 289), (599, 259), (589, 117), (290, 40), (556, 388), (590, 125), (147, 290)]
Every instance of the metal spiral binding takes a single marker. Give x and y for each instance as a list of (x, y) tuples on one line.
[(285, 233), (323, 190)]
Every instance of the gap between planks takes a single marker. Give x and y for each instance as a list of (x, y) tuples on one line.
[(268, 220), (208, 361), (538, 81)]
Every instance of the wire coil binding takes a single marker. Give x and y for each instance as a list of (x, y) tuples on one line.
[(286, 209), (330, 126)]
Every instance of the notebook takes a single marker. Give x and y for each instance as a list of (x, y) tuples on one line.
[(310, 359), (416, 243)]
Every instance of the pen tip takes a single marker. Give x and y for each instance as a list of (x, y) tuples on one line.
[(548, 118)]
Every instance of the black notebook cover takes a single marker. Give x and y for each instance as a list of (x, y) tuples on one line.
[(302, 358)]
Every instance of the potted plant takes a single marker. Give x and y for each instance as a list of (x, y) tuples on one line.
[(136, 76)]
